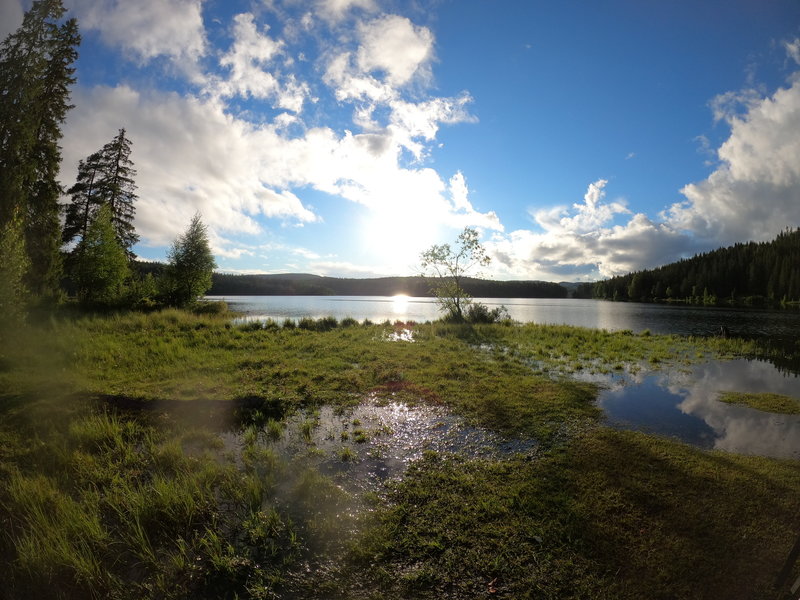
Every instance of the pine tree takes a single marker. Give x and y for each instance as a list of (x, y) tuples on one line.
[(104, 177), (190, 266), (35, 75)]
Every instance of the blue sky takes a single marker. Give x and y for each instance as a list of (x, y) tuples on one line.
[(343, 137)]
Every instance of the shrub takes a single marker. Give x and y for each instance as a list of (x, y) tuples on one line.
[(480, 313)]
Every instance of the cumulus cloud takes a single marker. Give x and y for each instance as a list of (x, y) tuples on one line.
[(396, 47), (190, 155), (589, 215), (252, 68), (755, 191), (147, 28), (583, 242)]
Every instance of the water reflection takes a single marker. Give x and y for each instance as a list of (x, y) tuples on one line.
[(684, 404), (775, 325)]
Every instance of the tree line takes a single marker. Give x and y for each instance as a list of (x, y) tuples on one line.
[(301, 284), (745, 274), (90, 255)]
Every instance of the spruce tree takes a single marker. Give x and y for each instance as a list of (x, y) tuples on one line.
[(104, 177), (86, 198), (119, 189), (35, 74)]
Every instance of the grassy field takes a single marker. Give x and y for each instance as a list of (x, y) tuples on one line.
[(119, 477)]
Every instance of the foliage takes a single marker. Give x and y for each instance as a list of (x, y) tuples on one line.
[(743, 274), (191, 264), (35, 75), (448, 267), (104, 177), (100, 265), (13, 266)]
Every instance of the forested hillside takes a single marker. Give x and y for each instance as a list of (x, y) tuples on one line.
[(295, 284), (751, 274)]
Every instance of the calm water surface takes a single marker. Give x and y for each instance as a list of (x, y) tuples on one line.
[(681, 403), (584, 313), (684, 404)]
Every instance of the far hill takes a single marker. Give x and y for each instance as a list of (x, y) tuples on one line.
[(751, 274), (303, 284)]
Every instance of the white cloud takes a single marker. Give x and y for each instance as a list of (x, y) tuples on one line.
[(755, 192), (793, 50), (396, 47), (147, 28), (189, 155), (582, 242), (335, 10), (249, 61)]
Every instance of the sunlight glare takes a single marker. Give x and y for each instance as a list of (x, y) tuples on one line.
[(400, 304)]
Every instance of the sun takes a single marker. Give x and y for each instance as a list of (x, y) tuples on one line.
[(395, 238)]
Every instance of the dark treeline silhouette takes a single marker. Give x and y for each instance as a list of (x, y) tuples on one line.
[(297, 284), (746, 274)]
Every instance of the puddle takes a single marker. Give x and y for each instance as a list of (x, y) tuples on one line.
[(684, 404), (362, 447)]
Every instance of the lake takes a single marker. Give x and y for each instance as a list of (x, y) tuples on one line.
[(680, 403), (598, 314)]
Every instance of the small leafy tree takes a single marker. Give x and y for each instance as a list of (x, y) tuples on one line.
[(101, 265), (447, 266), (191, 264)]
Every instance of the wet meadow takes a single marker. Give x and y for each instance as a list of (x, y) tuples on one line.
[(178, 454)]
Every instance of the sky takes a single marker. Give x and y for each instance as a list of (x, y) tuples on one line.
[(344, 137)]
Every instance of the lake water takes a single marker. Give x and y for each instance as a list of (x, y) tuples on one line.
[(684, 403), (658, 318), (681, 402)]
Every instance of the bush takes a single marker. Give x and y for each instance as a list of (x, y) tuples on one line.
[(480, 313), (206, 307)]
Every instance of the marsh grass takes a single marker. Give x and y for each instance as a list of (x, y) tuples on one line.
[(612, 515), (99, 500), (767, 402)]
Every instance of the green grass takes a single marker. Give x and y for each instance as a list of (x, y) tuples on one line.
[(774, 403), (115, 482), (615, 515)]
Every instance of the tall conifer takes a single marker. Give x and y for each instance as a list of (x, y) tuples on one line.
[(35, 74), (104, 178)]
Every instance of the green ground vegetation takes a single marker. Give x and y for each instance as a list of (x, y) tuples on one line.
[(613, 515), (774, 403), (119, 476)]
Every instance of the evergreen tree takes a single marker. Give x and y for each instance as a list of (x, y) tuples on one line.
[(101, 266), (119, 189), (104, 177), (191, 264), (85, 199), (35, 75)]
